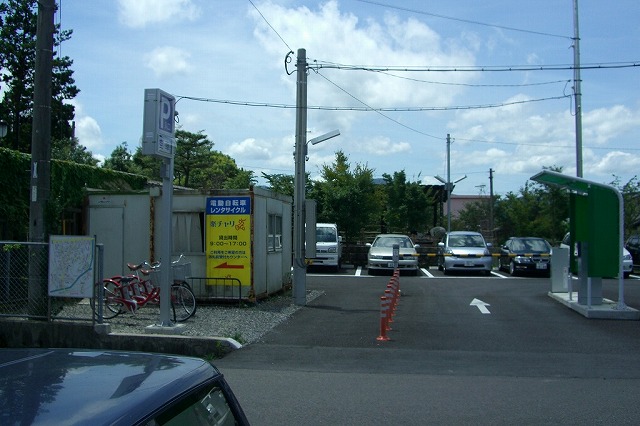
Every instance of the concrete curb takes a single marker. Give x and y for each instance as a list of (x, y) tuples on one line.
[(23, 333)]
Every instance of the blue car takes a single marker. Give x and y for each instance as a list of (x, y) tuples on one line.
[(98, 387)]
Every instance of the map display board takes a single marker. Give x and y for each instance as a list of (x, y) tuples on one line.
[(228, 238), (71, 266)]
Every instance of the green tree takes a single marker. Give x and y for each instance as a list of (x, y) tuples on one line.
[(193, 153), (280, 183), (631, 198), (120, 160), (407, 205), (346, 196), (71, 150), (243, 180), (18, 20)]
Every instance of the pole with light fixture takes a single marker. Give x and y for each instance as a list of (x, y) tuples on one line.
[(448, 185), (300, 154)]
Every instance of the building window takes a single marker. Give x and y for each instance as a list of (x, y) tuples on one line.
[(274, 233), (188, 232)]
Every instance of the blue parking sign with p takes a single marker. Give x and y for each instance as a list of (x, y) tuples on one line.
[(166, 113)]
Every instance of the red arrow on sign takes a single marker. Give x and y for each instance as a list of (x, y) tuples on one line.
[(225, 265)]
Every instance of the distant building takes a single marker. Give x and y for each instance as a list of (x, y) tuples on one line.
[(459, 202)]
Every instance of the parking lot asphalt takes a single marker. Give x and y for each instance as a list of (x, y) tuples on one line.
[(447, 359)]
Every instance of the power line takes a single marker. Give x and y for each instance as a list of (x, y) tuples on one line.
[(379, 112), (472, 85), (467, 21), (269, 24), (366, 107), (476, 68)]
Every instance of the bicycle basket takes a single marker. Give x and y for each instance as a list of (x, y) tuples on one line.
[(181, 272)]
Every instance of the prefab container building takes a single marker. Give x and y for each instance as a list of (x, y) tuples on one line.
[(236, 244)]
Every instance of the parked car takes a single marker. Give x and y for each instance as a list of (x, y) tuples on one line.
[(627, 260), (70, 386), (380, 256), (633, 246), (464, 251), (328, 246), (525, 255)]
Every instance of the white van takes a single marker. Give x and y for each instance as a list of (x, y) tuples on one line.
[(328, 246)]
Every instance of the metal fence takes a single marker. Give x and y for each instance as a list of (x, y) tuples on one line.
[(24, 285)]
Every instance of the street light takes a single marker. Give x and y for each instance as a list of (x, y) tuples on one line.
[(299, 266), (448, 186)]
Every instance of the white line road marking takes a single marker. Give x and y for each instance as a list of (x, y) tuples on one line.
[(359, 271), (481, 305), (427, 273)]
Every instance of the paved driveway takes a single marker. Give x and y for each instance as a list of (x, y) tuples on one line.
[(518, 358)]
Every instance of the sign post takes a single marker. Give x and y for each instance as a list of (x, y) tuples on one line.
[(158, 140)]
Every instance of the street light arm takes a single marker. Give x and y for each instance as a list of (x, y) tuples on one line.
[(322, 138)]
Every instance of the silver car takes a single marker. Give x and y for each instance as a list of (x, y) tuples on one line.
[(627, 259), (380, 257), (464, 251)]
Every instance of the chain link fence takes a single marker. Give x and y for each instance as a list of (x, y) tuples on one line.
[(24, 285)]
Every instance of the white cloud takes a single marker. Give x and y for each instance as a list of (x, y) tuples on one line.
[(250, 149), (89, 133), (139, 13), (168, 60), (604, 124), (342, 38)]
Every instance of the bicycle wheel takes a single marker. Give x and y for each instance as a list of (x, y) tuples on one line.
[(183, 302), (111, 301)]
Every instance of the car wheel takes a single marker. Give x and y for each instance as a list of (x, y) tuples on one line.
[(512, 268)]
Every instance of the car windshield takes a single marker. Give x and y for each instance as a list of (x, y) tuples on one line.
[(466, 241), (532, 245), (390, 241), (326, 235)]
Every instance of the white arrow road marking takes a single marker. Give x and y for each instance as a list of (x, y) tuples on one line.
[(481, 305)]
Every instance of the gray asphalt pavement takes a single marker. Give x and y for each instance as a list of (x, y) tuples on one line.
[(526, 360)]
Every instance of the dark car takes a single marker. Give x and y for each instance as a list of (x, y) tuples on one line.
[(96, 387), (633, 246), (526, 255)]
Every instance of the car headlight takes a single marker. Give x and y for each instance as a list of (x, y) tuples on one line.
[(626, 257), (487, 252), (522, 259), (332, 250), (375, 257)]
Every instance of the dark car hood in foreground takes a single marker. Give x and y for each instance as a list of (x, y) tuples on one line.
[(65, 386)]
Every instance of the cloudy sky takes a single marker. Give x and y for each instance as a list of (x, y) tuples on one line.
[(394, 76)]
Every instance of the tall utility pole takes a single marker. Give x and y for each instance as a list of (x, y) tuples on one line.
[(40, 156), (491, 226), (41, 133), (299, 265), (449, 184), (577, 89)]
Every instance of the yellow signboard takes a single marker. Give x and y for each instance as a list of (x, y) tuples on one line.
[(228, 238)]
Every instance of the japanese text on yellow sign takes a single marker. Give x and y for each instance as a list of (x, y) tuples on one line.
[(228, 238)]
